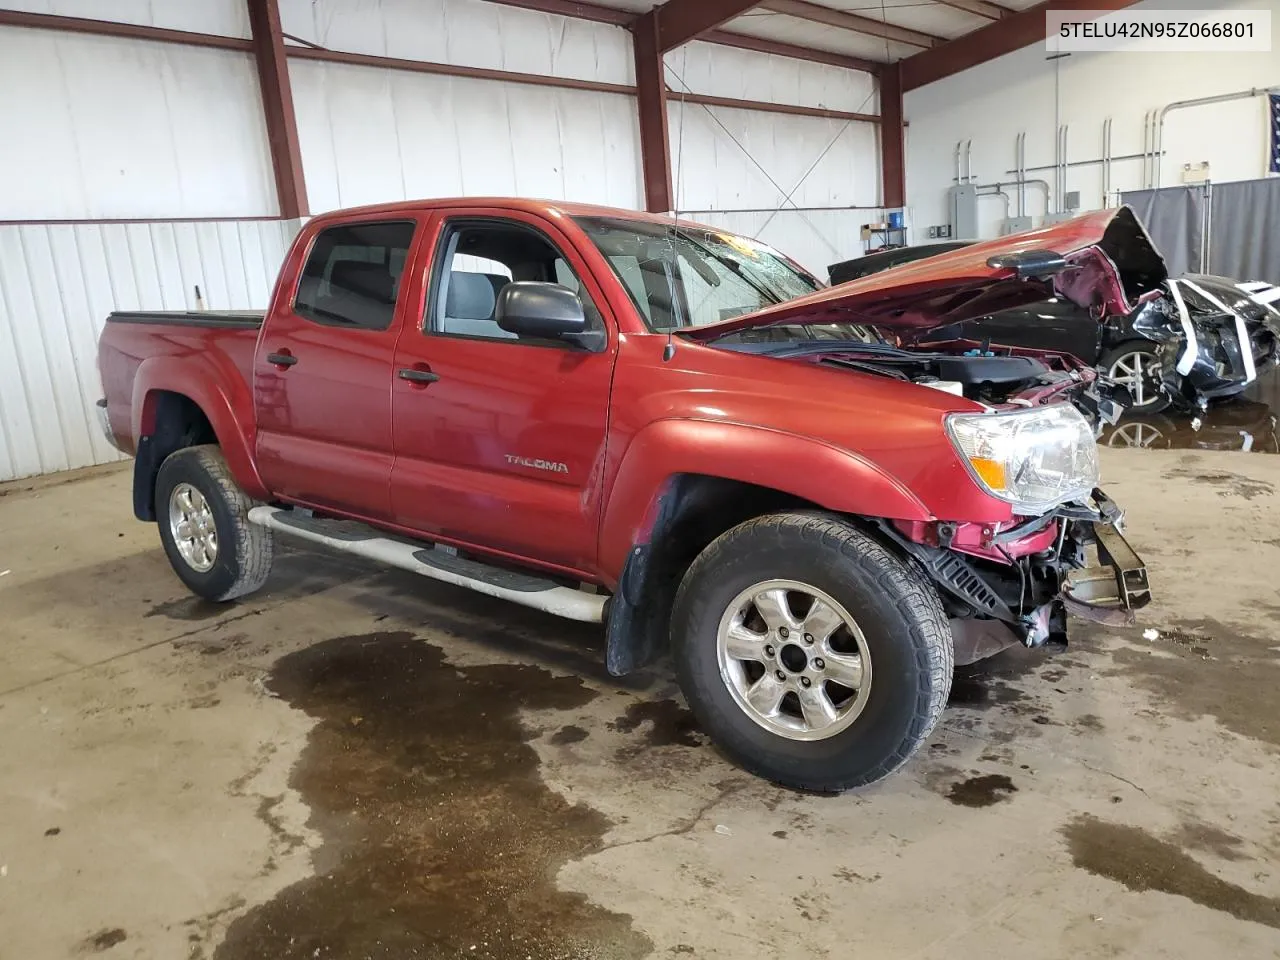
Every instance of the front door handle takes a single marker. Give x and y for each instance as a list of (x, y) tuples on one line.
[(418, 376), (282, 359)]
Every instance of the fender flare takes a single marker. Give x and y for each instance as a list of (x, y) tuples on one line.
[(222, 395), (812, 470)]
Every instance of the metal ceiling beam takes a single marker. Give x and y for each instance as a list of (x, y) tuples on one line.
[(277, 108), (128, 31), (625, 18), (579, 11), (763, 106), (651, 105), (779, 49), (893, 172), (1012, 33), (680, 21), (803, 10), (981, 8)]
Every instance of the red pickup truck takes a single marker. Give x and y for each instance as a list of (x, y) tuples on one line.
[(665, 428)]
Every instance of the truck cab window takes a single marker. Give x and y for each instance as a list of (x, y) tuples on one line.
[(478, 260), (352, 275)]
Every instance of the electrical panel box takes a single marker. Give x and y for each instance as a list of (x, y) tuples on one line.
[(1071, 200), (941, 232), (1014, 225), (962, 209), (1195, 172)]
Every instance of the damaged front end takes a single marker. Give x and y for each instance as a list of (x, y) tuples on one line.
[(1215, 337), (1014, 585)]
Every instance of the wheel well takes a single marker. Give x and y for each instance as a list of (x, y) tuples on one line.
[(176, 422), (694, 509)]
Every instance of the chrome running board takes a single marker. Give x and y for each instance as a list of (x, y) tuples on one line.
[(438, 563)]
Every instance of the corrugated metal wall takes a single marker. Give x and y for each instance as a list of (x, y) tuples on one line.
[(111, 128), (726, 159), (370, 135), (57, 285), (108, 128)]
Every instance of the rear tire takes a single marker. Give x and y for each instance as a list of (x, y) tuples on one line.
[(894, 646), (204, 526)]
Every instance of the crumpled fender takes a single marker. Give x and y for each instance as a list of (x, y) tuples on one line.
[(218, 388), (833, 478)]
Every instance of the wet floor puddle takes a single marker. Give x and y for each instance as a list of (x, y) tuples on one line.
[(1142, 862), (440, 838)]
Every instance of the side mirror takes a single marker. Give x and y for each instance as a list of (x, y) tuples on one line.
[(1030, 264), (530, 308)]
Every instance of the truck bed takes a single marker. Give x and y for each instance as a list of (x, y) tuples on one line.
[(216, 344)]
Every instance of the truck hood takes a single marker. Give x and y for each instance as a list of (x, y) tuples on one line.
[(1102, 261)]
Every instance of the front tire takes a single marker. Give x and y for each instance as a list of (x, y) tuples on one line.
[(809, 653), (1135, 365), (204, 526)]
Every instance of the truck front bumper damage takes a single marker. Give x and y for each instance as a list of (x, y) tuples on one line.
[(1086, 568)]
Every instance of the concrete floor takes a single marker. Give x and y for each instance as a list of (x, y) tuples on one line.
[(359, 763)]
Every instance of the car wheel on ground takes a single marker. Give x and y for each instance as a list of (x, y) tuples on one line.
[(205, 528), (1135, 365), (809, 652)]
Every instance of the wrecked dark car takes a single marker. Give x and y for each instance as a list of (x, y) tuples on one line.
[(1145, 351)]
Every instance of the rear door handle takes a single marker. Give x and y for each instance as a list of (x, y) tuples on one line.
[(418, 376), (284, 359)]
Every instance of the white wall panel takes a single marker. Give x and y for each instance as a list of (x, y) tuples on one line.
[(726, 159), (228, 18), (102, 127), (57, 285), (470, 33), (370, 135), (1024, 92), (729, 72)]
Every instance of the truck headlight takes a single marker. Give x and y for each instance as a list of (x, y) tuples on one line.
[(1033, 459)]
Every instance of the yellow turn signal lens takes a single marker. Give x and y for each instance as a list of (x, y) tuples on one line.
[(991, 472)]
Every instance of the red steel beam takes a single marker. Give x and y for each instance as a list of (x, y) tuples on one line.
[(454, 70), (680, 21), (803, 10), (780, 49), (128, 31), (763, 106), (277, 108), (651, 102), (1011, 33), (893, 172)]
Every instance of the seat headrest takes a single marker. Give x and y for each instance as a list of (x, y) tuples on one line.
[(470, 296)]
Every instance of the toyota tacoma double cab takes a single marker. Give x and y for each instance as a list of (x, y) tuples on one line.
[(812, 507)]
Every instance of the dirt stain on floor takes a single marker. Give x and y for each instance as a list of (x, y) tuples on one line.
[(1235, 684), (1142, 862), (440, 838), (188, 609), (670, 723), (982, 791), (103, 940)]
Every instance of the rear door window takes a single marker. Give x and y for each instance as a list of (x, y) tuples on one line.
[(352, 274)]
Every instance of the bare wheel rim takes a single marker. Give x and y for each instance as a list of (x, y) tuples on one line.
[(1140, 372), (1140, 435), (193, 529), (794, 660)]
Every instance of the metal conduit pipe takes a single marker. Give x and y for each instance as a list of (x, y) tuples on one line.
[(1158, 147)]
